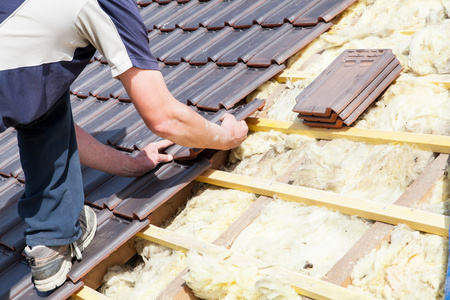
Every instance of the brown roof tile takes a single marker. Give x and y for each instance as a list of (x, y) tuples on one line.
[(342, 81), (169, 179)]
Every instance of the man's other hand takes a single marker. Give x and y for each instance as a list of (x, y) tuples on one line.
[(150, 157), (235, 132)]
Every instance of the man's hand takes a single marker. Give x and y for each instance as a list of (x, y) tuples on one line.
[(235, 132), (98, 156), (150, 157)]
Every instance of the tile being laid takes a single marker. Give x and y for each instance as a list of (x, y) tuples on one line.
[(117, 189), (165, 183)]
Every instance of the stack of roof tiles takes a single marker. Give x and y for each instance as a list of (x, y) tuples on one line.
[(212, 54), (346, 88)]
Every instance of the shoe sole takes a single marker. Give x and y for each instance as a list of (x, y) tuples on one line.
[(56, 280)]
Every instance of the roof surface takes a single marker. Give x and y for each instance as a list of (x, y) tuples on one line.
[(212, 54)]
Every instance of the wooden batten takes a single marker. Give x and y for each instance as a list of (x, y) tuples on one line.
[(387, 213), (86, 293), (425, 142)]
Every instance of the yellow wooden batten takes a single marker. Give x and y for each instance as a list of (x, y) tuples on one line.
[(436, 79), (387, 213), (303, 284), (89, 294), (426, 142)]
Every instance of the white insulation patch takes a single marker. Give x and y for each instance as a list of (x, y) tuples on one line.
[(373, 172), (411, 106), (205, 217), (411, 266), (212, 277), (286, 234), (298, 237)]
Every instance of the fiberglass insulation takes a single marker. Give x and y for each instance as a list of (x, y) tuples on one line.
[(205, 217), (373, 172), (411, 266)]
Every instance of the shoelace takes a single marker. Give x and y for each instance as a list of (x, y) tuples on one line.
[(75, 251)]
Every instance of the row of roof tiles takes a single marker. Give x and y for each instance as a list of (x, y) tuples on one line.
[(237, 46), (239, 14)]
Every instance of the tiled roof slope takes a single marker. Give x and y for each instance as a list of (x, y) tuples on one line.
[(212, 54)]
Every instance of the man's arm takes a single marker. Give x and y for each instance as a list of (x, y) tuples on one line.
[(172, 120), (101, 157)]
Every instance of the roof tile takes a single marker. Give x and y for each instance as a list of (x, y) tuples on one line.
[(168, 180)]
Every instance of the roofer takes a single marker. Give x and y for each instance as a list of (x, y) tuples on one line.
[(45, 44)]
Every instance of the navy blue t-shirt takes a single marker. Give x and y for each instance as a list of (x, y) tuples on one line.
[(45, 44)]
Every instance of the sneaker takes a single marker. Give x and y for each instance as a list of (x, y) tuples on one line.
[(51, 264)]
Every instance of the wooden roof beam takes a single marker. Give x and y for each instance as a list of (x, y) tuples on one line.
[(386, 213), (426, 142)]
